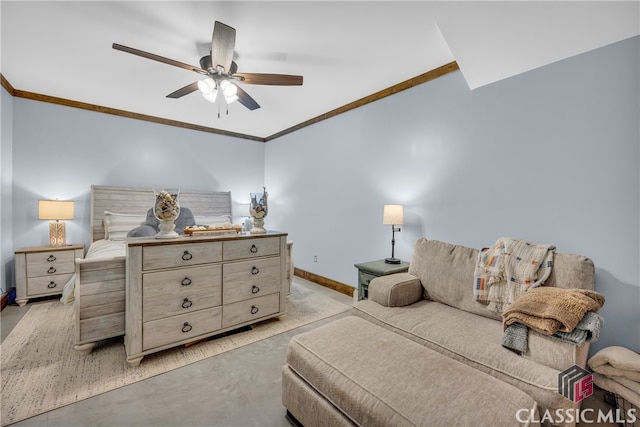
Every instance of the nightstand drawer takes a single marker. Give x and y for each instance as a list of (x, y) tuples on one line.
[(249, 279), (250, 248), (179, 328), (245, 311), (48, 263), (47, 284), (168, 256)]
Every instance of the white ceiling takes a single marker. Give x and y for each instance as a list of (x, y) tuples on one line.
[(345, 50)]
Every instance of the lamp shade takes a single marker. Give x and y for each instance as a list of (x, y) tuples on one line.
[(393, 215), (55, 209)]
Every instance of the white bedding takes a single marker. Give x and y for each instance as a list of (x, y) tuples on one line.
[(100, 249)]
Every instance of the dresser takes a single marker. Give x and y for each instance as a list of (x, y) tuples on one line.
[(186, 289), (44, 270)]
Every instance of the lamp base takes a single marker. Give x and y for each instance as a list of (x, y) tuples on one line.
[(392, 260), (57, 234)]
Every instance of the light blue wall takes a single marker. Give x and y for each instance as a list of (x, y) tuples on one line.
[(550, 156), (6, 231), (59, 152)]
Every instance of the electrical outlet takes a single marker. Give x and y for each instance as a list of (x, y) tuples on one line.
[(315, 258)]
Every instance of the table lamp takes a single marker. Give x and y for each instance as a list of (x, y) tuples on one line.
[(393, 215), (56, 210)]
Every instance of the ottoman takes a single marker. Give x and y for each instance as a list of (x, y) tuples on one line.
[(352, 372)]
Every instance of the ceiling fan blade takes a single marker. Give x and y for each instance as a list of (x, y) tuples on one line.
[(270, 79), (245, 99), (223, 43), (192, 87), (158, 58)]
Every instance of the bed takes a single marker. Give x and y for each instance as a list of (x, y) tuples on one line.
[(98, 285)]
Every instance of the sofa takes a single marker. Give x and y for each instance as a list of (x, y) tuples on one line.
[(362, 370)]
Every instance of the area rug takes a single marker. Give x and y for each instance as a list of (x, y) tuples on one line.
[(41, 371)]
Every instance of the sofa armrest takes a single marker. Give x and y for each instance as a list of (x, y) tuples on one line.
[(395, 290), (555, 354)]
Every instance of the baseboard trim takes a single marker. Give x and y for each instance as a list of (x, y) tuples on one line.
[(324, 281)]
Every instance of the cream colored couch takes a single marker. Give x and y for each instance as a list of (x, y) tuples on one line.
[(432, 305)]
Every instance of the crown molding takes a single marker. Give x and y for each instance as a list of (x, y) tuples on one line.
[(407, 84)]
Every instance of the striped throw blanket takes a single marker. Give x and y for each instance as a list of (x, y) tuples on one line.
[(508, 269)]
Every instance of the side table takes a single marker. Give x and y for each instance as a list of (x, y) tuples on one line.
[(372, 269), (44, 270)]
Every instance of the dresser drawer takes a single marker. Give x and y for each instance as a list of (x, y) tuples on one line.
[(168, 256), (249, 279), (48, 263), (47, 284), (250, 248), (186, 301), (173, 330), (248, 310), (174, 282)]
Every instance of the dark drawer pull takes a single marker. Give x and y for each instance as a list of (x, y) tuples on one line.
[(255, 289), (254, 249), (254, 270), (51, 258), (186, 327), (186, 281), (186, 256), (51, 285), (254, 309), (186, 303), (51, 270)]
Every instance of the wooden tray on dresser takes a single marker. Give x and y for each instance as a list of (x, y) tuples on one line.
[(232, 231)]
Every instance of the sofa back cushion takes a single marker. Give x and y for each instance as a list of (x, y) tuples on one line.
[(446, 273)]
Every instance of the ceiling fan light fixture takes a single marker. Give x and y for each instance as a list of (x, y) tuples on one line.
[(207, 86), (229, 89), (231, 99), (211, 96)]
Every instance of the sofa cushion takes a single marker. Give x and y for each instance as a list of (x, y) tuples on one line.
[(446, 272), (475, 341), (379, 378)]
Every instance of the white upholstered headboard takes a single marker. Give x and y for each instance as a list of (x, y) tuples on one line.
[(139, 200)]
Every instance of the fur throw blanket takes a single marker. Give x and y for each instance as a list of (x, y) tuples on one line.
[(616, 361), (617, 369), (508, 269), (550, 309)]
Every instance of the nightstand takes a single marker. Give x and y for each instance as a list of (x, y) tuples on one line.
[(372, 269), (44, 270)]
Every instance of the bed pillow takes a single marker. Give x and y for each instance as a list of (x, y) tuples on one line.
[(142, 231), (118, 225)]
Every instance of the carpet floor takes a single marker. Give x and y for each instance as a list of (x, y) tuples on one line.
[(41, 371)]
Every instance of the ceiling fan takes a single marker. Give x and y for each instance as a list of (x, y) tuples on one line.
[(220, 71)]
